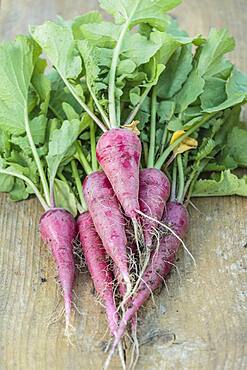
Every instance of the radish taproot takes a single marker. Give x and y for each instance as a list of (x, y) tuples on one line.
[(108, 220), (96, 261), (58, 231)]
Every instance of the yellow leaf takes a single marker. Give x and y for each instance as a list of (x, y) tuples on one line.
[(133, 127), (187, 144), (176, 135)]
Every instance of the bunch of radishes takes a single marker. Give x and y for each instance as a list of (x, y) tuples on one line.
[(115, 138)]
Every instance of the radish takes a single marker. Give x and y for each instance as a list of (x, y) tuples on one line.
[(118, 152), (95, 256), (58, 230), (108, 220), (160, 264), (154, 192)]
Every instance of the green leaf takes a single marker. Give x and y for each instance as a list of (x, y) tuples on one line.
[(126, 66), (38, 129), (24, 165), (6, 183), (176, 72), (64, 197), (4, 144), (70, 112), (192, 88), (58, 43), (219, 43), (175, 124), (138, 48), (17, 60), (170, 43), (140, 11), (236, 147), (135, 95), (59, 95), (42, 85), (90, 58), (205, 149), (220, 69), (103, 34), (19, 191), (236, 91), (225, 184), (165, 110), (91, 17), (60, 143), (214, 93)]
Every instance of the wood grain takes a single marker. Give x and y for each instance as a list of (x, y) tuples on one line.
[(198, 322)]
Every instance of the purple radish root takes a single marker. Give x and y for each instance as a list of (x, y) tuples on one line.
[(58, 230), (108, 220)]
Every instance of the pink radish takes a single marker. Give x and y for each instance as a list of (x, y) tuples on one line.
[(108, 219), (58, 230), (95, 256), (153, 194), (160, 264), (118, 152)]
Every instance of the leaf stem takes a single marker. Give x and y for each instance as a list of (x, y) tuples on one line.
[(36, 158), (112, 73), (28, 182), (61, 176), (138, 106), (170, 148), (151, 152), (82, 104), (78, 185), (118, 110), (52, 196), (93, 147), (180, 178), (145, 153), (164, 138), (174, 182), (83, 160)]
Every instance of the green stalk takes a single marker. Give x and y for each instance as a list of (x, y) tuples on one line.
[(62, 177), (37, 159), (93, 147), (170, 148), (82, 104), (138, 106), (190, 184), (30, 183), (174, 182), (151, 153), (112, 74), (164, 138), (118, 111), (83, 160), (145, 152), (76, 176), (180, 178)]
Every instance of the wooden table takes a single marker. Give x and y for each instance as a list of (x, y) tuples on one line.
[(199, 320)]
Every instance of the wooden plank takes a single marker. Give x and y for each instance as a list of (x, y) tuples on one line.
[(199, 324)]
